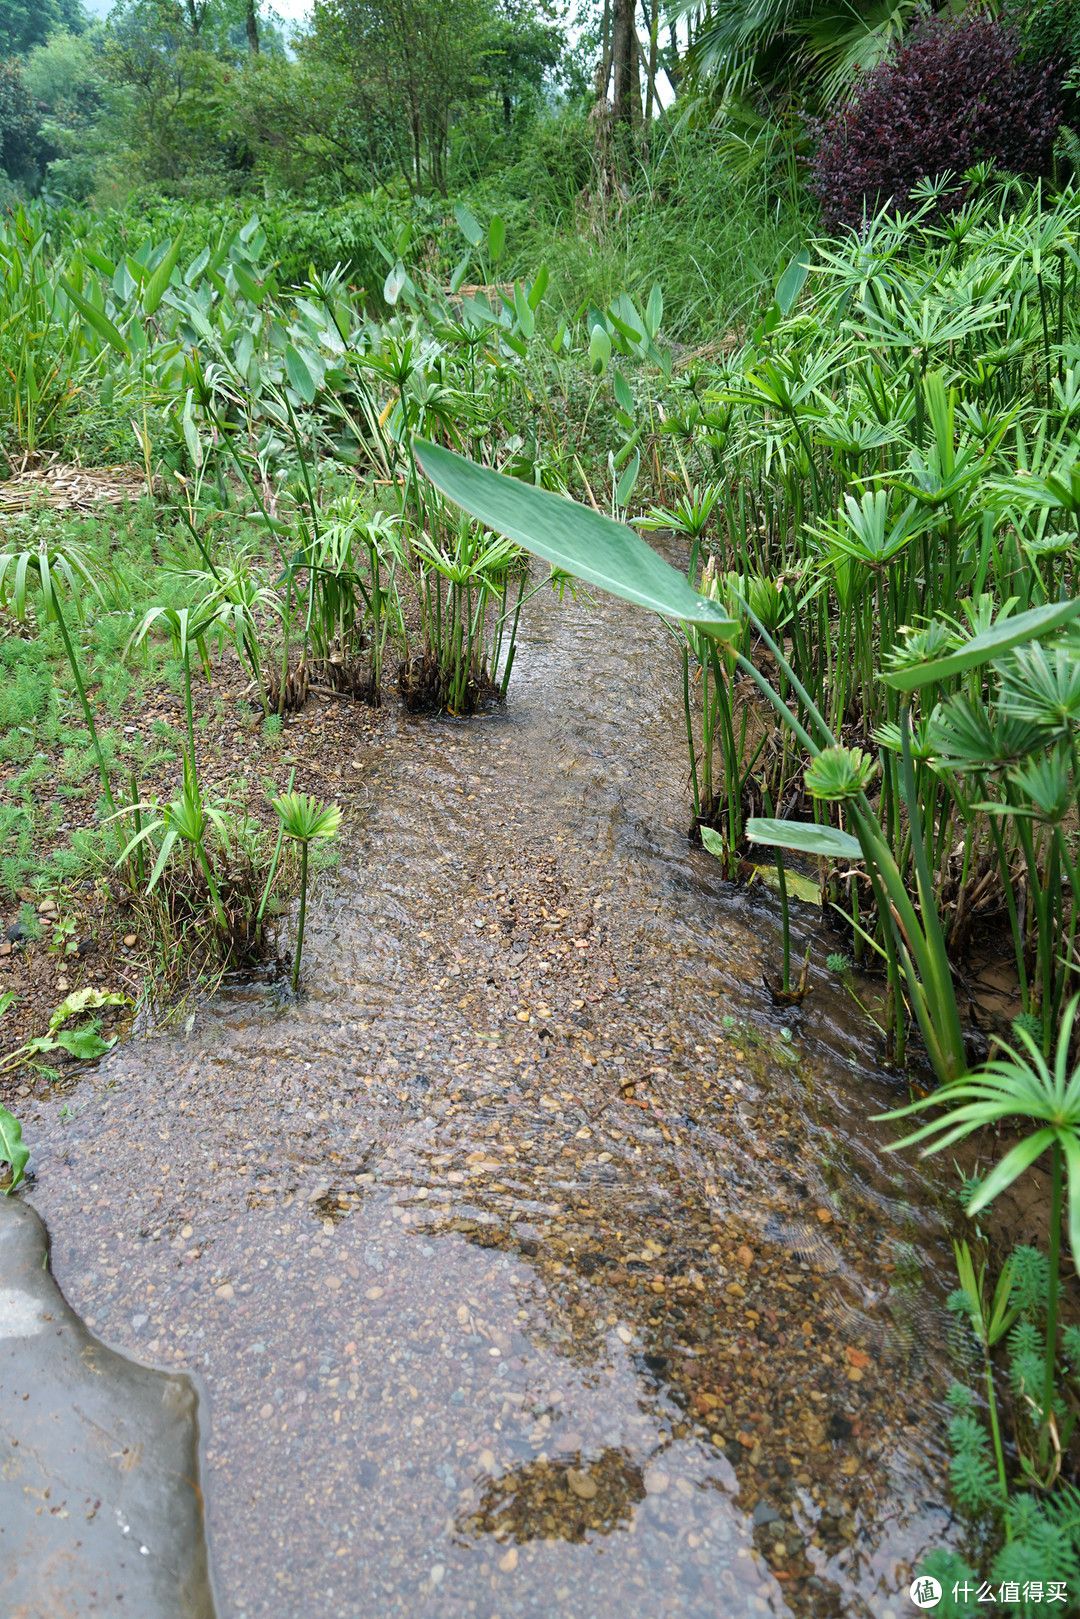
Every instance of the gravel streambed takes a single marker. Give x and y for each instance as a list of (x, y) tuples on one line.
[(531, 1264)]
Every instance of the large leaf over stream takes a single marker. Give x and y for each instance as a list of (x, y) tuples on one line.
[(581, 541), (808, 837)]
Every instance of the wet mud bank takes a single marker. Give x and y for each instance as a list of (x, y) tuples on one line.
[(531, 1263)]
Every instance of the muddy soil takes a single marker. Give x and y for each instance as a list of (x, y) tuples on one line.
[(532, 1262)]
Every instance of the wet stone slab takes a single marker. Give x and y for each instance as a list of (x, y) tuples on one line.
[(100, 1506)]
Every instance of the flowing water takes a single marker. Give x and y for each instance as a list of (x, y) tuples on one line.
[(531, 1263)]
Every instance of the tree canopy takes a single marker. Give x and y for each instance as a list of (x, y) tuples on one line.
[(26, 23)]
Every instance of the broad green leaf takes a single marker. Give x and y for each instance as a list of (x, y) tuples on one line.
[(621, 389), (251, 289), (159, 281), (96, 318), (197, 266), (11, 1147), (191, 439), (792, 281), (1001, 637), (539, 287), (712, 841), (496, 238), (8, 998), (526, 318), (806, 837), (798, 886), (654, 310), (297, 371), (629, 478), (599, 350), (101, 264), (457, 280), (84, 1044), (394, 283), (85, 1000), (468, 225), (575, 538)]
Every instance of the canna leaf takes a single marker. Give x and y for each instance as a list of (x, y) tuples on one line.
[(792, 281), (621, 389), (468, 225), (574, 538), (654, 310), (297, 370), (539, 287), (159, 281), (496, 238), (599, 350), (395, 282), (97, 319), (251, 289), (1008, 632), (806, 837)]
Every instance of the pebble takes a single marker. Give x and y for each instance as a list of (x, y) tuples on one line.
[(624, 1334), (226, 1291), (582, 1485), (655, 1480), (825, 1216), (130, 939), (266, 1411), (374, 1292), (509, 1561), (486, 1460), (745, 1256)]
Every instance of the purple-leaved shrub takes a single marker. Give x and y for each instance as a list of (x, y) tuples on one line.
[(953, 95)]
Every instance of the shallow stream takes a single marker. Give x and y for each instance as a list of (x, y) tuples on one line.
[(484, 1326)]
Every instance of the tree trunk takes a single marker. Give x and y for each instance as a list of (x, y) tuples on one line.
[(603, 67), (626, 92), (654, 29), (251, 23)]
